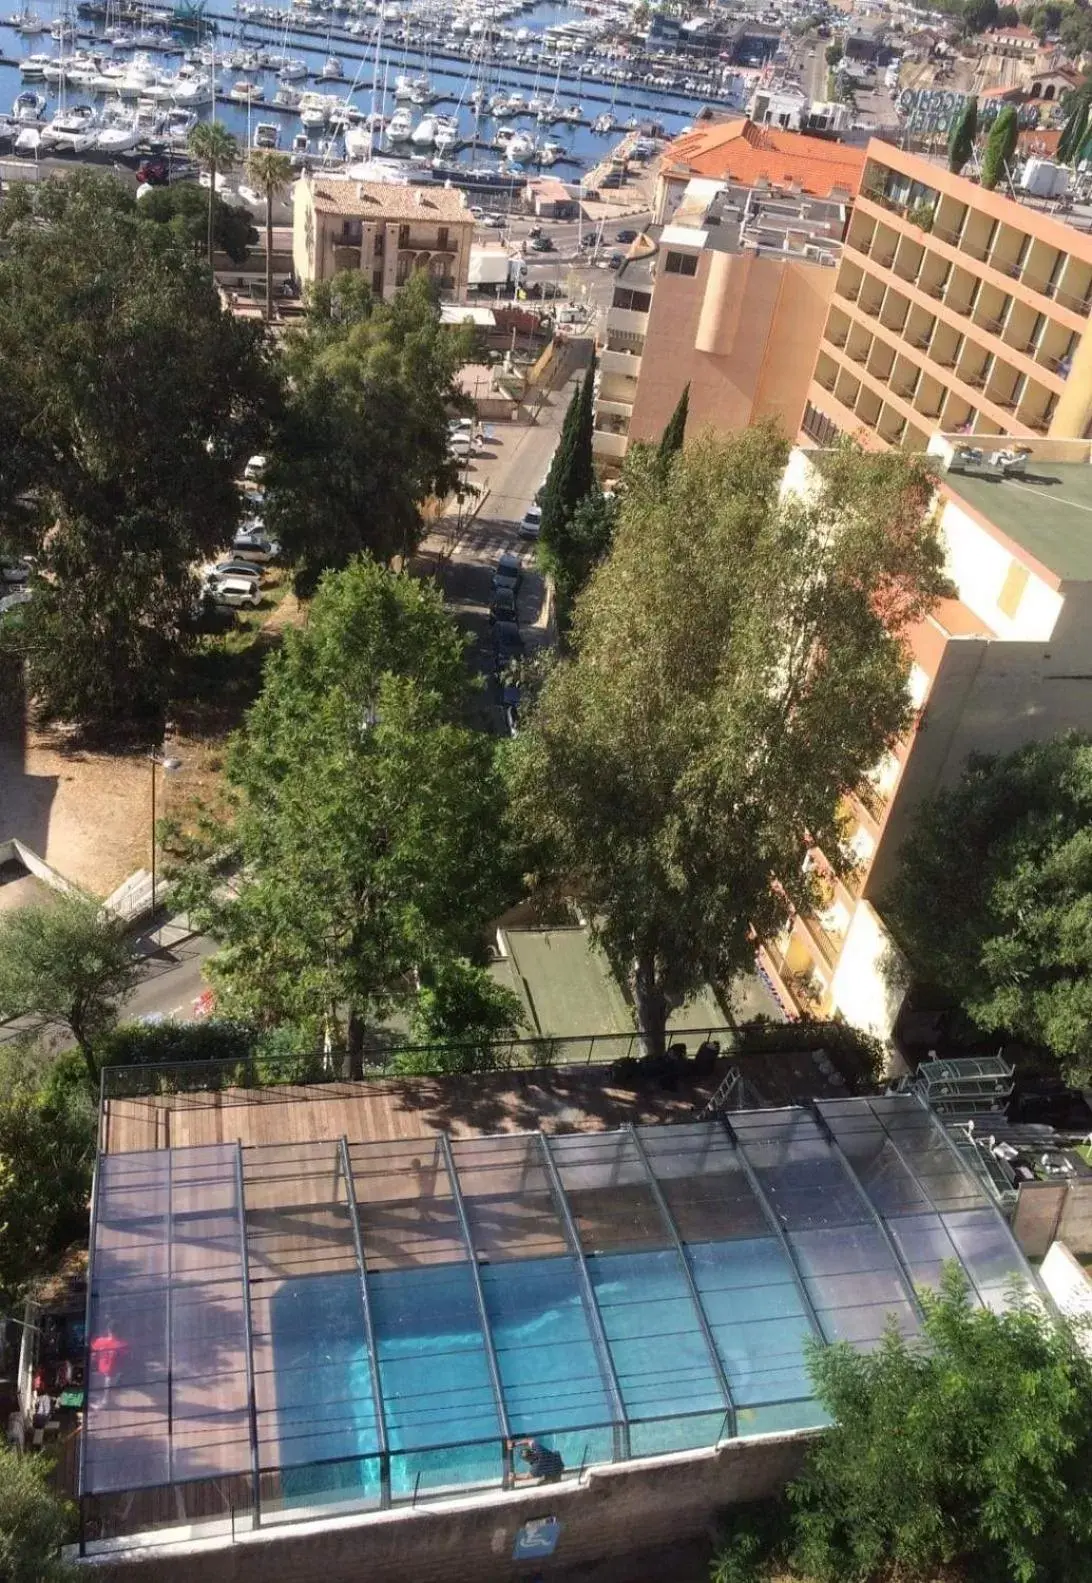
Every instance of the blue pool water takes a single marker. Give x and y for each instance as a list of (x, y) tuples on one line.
[(438, 1402)]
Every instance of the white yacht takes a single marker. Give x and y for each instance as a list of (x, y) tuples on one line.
[(520, 148), (603, 124), (314, 108), (28, 107), (149, 119), (141, 75), (72, 131), (293, 70), (28, 142), (178, 125), (424, 133), (446, 135), (190, 86), (573, 113), (26, 22), (332, 69), (400, 128), (245, 92), (267, 134), (287, 98), (403, 88), (118, 132), (358, 142), (33, 68)]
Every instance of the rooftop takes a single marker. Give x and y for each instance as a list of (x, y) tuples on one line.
[(281, 1332), (738, 150), (1047, 512), (388, 200)]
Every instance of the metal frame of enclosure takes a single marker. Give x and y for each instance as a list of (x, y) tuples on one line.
[(312, 1329)]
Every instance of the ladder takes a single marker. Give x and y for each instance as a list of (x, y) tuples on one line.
[(718, 1100)]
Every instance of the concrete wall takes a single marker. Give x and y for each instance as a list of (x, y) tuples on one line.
[(617, 1511), (744, 331), (869, 982)]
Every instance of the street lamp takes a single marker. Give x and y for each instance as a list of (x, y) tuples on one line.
[(169, 765)]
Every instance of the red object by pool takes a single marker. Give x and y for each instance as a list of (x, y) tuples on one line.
[(107, 1353)]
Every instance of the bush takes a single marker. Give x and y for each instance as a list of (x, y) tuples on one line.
[(34, 1524), (861, 1058)]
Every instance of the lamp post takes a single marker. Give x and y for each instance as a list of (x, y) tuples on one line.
[(169, 765)]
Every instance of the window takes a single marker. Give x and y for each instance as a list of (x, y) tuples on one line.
[(403, 236), (632, 301), (818, 427), (442, 243), (681, 264), (377, 282)]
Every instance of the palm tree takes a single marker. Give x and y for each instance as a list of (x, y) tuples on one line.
[(214, 148), (270, 172)]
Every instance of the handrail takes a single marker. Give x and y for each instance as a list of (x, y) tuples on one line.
[(695, 1296), (248, 1334), (595, 1316), (369, 1326)]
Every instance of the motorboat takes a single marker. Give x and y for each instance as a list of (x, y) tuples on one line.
[(358, 142), (29, 142), (293, 70), (141, 75), (118, 132), (72, 131), (446, 135), (26, 22), (403, 89), (33, 68), (244, 92), (314, 108), (82, 70), (286, 98), (29, 107), (267, 134), (550, 152), (190, 86), (149, 119), (520, 148), (424, 133), (178, 125), (63, 29), (572, 113), (603, 124), (400, 127), (332, 69)]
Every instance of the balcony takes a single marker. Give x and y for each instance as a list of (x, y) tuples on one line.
[(613, 408), (627, 364), (626, 319), (610, 446)]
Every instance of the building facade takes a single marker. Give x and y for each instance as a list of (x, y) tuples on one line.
[(729, 299), (954, 309), (387, 231), (1008, 661)]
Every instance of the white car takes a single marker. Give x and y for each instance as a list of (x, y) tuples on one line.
[(531, 525), (254, 469), (231, 566), (238, 592), (249, 545)]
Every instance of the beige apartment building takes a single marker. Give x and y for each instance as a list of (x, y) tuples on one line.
[(730, 299), (386, 230), (1006, 662), (954, 309)]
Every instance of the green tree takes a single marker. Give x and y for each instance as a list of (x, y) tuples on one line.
[(367, 837), (1000, 148), (47, 1148), (1075, 128), (363, 438), (130, 400), (738, 667), (216, 150), (991, 899), (977, 16), (463, 1013), (572, 474), (182, 206), (34, 1523), (588, 535), (969, 1453), (271, 173), (671, 440), (834, 53), (69, 962), (962, 135)]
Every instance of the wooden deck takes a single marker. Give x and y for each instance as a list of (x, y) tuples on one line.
[(581, 1101)]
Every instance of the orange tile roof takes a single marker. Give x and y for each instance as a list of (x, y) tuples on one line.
[(738, 150)]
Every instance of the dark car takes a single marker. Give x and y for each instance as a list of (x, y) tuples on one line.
[(615, 261), (626, 236), (502, 606), (155, 171), (588, 239), (541, 244), (507, 643)]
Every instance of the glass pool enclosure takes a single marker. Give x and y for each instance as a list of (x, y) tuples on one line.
[(288, 1331)]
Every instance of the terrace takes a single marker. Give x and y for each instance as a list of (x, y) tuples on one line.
[(312, 1329)]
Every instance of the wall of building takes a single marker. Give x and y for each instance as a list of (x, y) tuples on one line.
[(870, 980), (615, 1511), (979, 564), (743, 331)]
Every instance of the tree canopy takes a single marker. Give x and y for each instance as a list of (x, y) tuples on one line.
[(671, 440), (68, 962), (1000, 147), (34, 1523), (130, 400), (367, 829), (737, 668), (216, 150), (991, 899), (363, 439), (184, 207), (568, 547), (962, 135)]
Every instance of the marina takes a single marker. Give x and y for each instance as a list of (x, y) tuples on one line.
[(468, 98)]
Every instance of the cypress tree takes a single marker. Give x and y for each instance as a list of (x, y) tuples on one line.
[(572, 474), (672, 438), (1000, 147), (1075, 130), (962, 136)]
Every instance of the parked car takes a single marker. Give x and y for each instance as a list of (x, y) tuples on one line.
[(254, 469), (588, 239), (14, 573), (531, 525), (536, 230), (508, 570), (542, 244), (626, 236), (249, 545), (502, 606), (234, 567), (510, 705), (615, 261), (154, 171), (238, 592), (507, 643)]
